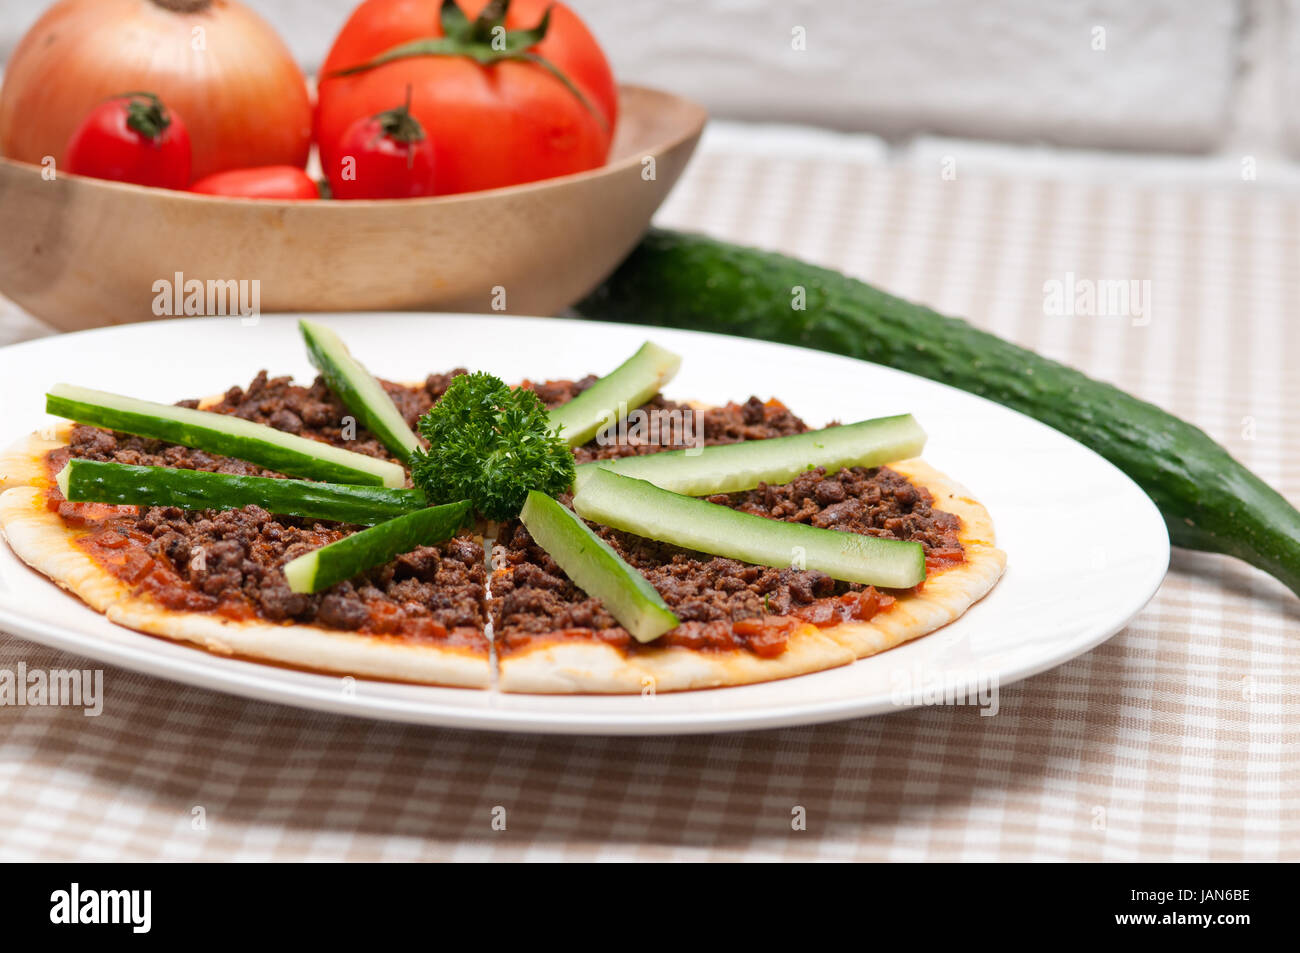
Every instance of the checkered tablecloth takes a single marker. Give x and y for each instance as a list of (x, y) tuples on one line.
[(1177, 739)]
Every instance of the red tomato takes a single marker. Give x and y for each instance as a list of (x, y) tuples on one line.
[(264, 182), (509, 121), (132, 138), (387, 156)]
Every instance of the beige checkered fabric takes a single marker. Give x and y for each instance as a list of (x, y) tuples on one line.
[(1177, 739)]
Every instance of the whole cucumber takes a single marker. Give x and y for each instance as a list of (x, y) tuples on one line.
[(1209, 501)]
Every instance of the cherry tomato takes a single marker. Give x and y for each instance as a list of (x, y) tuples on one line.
[(385, 156), (264, 182), (500, 106), (132, 138)]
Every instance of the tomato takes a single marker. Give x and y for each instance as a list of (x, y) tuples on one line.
[(492, 124), (132, 138), (386, 156), (264, 182)]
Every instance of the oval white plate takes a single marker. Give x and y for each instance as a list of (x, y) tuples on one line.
[(1086, 549)]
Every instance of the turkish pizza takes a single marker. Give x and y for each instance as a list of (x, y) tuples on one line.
[(556, 536)]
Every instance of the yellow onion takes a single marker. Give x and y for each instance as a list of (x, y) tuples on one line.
[(216, 63)]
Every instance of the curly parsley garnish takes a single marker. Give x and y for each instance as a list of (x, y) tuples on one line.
[(490, 444)]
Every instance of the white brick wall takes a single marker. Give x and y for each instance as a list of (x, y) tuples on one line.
[(1171, 75)]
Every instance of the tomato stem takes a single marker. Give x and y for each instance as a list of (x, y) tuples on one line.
[(146, 114), (399, 125)]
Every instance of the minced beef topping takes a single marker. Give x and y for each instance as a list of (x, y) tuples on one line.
[(664, 424), (874, 502), (316, 413), (231, 561), (710, 594), (312, 412), (718, 599)]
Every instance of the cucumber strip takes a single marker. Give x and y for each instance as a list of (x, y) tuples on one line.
[(594, 567), (358, 389), (92, 481), (729, 468), (322, 568), (608, 400), (636, 506), (222, 433)]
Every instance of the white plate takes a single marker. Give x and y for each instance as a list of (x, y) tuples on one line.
[(1085, 547)]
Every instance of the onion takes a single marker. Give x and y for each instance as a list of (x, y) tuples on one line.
[(215, 62)]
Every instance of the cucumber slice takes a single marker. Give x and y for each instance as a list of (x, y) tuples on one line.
[(595, 568), (322, 568), (222, 433), (729, 468), (636, 506), (358, 389), (625, 388), (92, 481)]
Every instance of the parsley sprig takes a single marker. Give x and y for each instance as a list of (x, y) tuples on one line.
[(490, 444)]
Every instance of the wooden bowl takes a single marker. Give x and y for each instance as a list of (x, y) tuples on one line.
[(82, 253)]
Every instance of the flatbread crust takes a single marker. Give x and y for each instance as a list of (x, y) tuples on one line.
[(41, 539), (23, 464), (566, 665), (572, 666), (45, 542), (945, 595)]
